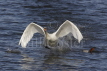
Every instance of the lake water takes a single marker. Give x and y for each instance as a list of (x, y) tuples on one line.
[(90, 16)]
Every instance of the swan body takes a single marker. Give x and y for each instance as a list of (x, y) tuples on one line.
[(51, 40)]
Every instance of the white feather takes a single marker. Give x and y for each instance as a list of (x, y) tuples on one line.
[(66, 28), (28, 33)]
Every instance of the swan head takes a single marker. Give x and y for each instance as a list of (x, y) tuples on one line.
[(45, 29)]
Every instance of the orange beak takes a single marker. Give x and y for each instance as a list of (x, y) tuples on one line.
[(45, 29)]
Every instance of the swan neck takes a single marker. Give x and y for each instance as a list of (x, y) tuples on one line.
[(46, 37), (46, 34)]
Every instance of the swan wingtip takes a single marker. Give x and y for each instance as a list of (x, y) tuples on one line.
[(23, 46), (19, 43)]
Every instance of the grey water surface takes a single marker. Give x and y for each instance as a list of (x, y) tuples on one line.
[(90, 16)]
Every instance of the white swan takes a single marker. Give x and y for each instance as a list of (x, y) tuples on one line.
[(51, 40)]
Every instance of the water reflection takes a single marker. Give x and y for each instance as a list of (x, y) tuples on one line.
[(26, 62), (50, 62)]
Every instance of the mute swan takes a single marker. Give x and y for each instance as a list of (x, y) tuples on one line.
[(51, 40)]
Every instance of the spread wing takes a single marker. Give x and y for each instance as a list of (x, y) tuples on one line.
[(68, 27), (28, 33)]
